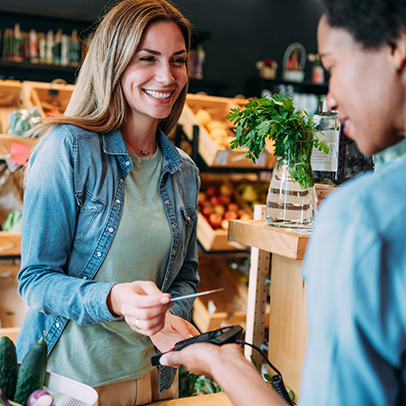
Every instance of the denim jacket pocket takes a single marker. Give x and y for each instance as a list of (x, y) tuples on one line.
[(89, 207), (189, 216)]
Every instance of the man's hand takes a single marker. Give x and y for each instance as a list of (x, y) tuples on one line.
[(175, 329)]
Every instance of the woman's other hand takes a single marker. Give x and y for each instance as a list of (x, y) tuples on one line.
[(142, 305), (175, 329)]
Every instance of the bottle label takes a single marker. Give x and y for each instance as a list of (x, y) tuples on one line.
[(326, 162)]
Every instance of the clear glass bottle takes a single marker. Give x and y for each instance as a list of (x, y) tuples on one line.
[(327, 166)]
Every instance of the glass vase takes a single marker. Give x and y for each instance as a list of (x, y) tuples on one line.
[(288, 204)]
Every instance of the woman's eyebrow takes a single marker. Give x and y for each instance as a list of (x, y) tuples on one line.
[(151, 51)]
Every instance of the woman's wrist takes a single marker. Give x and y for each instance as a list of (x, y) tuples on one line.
[(112, 302)]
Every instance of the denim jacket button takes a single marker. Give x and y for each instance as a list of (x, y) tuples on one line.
[(99, 254), (118, 201), (121, 180), (127, 163), (111, 229), (85, 277), (173, 226), (166, 201), (58, 325), (173, 252)]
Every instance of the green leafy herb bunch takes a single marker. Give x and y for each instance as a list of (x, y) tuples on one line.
[(293, 134)]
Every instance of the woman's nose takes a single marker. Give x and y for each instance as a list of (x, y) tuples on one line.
[(165, 74)]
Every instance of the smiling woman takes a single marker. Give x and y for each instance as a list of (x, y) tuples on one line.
[(99, 279), (152, 83)]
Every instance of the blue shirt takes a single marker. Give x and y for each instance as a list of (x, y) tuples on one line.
[(355, 274), (73, 203)]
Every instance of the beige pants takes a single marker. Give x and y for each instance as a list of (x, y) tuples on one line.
[(136, 391)]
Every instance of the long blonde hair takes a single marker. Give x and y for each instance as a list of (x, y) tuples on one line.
[(97, 103)]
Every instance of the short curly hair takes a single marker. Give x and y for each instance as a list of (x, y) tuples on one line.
[(372, 23)]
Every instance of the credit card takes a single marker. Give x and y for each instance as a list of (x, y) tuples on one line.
[(207, 292)]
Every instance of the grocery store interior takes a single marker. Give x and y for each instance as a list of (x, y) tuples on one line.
[(240, 49)]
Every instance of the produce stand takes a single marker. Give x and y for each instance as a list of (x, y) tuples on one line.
[(287, 318), (213, 147)]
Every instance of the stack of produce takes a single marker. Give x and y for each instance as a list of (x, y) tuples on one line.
[(218, 205), (219, 131), (23, 386)]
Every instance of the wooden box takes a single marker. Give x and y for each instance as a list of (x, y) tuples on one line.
[(50, 98), (12, 307), (11, 98), (212, 147), (217, 239), (229, 305)]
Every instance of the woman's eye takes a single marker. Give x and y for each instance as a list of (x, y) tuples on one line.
[(180, 61), (147, 59)]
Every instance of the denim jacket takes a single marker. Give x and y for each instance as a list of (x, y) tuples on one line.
[(73, 203)]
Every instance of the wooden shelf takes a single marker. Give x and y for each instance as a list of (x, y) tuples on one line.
[(256, 233)]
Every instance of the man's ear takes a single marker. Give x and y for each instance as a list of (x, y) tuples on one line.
[(398, 53)]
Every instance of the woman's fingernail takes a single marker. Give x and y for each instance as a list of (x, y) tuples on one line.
[(163, 361), (164, 299)]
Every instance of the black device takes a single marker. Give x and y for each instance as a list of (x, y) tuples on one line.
[(219, 337)]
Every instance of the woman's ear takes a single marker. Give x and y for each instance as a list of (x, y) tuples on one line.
[(398, 53)]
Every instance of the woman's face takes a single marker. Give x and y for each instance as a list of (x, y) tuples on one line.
[(364, 89), (156, 74)]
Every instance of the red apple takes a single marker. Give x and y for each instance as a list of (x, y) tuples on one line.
[(225, 199), (233, 207), (207, 210), (215, 220), (211, 191), (215, 200), (224, 224), (231, 215)]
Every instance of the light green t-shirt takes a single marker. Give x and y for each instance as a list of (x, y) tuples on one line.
[(98, 354)]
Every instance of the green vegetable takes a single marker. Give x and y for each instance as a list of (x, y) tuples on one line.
[(293, 134), (8, 367), (32, 371), (13, 221)]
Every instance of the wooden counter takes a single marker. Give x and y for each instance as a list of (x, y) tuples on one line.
[(287, 318), (216, 399)]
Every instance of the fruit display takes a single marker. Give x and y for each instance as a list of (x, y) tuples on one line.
[(218, 205), (253, 192), (219, 130)]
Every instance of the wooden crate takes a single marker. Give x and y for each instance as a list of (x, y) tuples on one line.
[(217, 239), (213, 154), (11, 98), (230, 304), (12, 308), (38, 94)]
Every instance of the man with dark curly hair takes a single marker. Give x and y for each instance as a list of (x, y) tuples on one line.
[(355, 263)]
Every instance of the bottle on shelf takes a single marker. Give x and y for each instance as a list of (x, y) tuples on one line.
[(327, 168), (74, 49), (34, 49)]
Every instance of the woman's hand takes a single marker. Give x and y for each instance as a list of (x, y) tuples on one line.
[(142, 305), (175, 329)]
